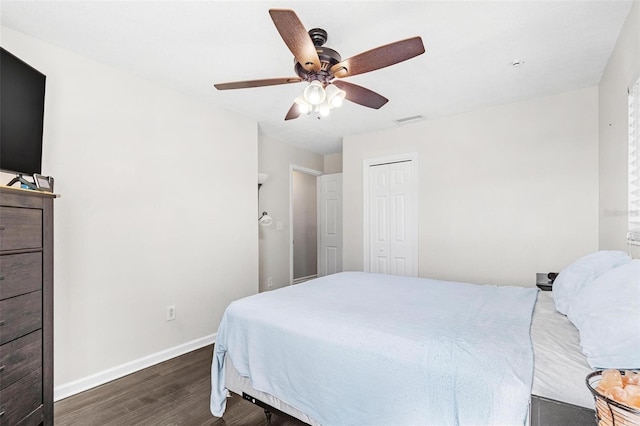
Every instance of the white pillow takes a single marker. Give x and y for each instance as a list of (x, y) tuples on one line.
[(607, 314), (581, 272)]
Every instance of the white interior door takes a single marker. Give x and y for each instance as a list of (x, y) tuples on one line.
[(392, 219), (329, 224)]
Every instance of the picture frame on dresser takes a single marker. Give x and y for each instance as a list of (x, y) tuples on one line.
[(26, 306), (43, 183)]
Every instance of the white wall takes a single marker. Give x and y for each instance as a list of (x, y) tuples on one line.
[(158, 207), (620, 73), (505, 192), (275, 158), (333, 163)]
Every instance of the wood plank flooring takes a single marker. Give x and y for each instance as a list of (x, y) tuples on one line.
[(175, 392)]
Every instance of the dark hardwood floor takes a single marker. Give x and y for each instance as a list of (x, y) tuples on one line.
[(175, 392)]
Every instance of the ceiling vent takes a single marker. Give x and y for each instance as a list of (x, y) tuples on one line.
[(408, 120)]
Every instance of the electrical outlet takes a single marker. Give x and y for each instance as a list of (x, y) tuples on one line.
[(171, 312), (269, 282)]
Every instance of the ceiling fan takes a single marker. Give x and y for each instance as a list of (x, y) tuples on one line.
[(323, 67)]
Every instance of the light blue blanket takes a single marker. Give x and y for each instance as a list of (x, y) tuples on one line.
[(366, 349)]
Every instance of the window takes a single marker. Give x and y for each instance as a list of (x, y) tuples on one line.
[(633, 235)]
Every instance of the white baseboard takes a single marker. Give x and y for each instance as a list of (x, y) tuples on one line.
[(303, 279), (68, 389)]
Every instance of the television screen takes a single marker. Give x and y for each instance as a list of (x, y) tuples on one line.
[(21, 115)]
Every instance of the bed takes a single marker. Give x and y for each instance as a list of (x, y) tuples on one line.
[(349, 349)]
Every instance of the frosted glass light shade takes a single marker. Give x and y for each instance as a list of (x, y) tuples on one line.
[(304, 107), (314, 93), (323, 109), (335, 95)]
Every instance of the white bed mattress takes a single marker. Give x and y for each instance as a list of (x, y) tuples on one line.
[(559, 368)]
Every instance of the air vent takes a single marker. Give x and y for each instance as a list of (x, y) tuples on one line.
[(408, 120)]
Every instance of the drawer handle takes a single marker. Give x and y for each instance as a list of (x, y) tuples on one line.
[(2, 228), (1, 277), (1, 368), (1, 412), (1, 322)]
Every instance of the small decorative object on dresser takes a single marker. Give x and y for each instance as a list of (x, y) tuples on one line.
[(544, 281), (26, 307), (44, 183)]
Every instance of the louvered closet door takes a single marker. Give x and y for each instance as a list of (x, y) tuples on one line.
[(392, 226)]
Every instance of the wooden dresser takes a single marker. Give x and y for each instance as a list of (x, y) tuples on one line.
[(26, 307)]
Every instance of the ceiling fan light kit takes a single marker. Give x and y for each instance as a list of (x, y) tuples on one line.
[(324, 68), (335, 96), (314, 93), (323, 109), (304, 107), (332, 97)]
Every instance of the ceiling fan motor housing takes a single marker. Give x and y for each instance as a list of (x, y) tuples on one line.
[(318, 36), (328, 58)]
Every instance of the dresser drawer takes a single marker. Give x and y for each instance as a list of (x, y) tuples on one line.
[(20, 357), (20, 274), (20, 315), (21, 398), (20, 228)]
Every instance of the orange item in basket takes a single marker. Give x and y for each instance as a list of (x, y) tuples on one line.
[(631, 378), (620, 395), (610, 379), (634, 395), (622, 389)]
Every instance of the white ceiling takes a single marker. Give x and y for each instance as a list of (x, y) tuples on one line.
[(470, 47)]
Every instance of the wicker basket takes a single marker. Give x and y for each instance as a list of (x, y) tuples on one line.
[(608, 411)]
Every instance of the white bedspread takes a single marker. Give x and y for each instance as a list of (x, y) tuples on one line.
[(363, 349)]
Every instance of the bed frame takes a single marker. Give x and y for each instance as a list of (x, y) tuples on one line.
[(548, 412), (543, 412), (268, 410)]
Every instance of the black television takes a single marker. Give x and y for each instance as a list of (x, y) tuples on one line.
[(22, 90)]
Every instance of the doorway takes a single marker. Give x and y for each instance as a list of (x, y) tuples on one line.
[(304, 224)]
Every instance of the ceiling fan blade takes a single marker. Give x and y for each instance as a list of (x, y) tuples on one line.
[(294, 112), (296, 38), (361, 95), (380, 57), (256, 83)]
